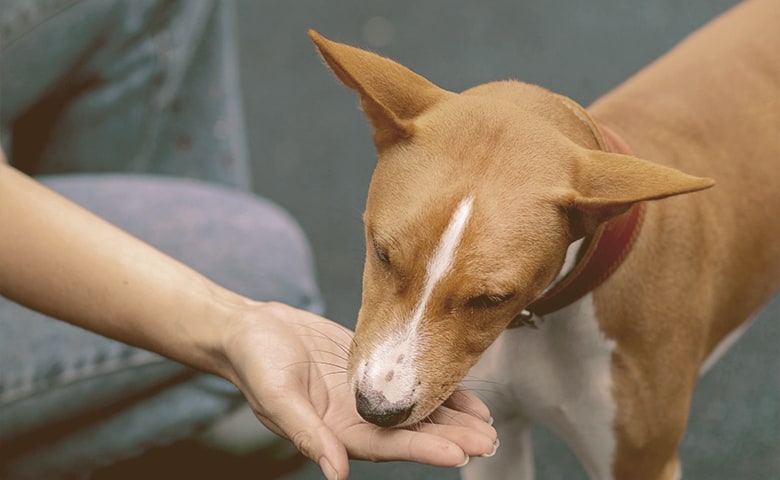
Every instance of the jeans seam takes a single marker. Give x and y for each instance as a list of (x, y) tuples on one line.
[(16, 25), (30, 390)]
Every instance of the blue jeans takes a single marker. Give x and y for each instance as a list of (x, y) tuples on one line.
[(111, 103)]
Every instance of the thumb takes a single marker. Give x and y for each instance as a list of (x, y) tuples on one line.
[(296, 419)]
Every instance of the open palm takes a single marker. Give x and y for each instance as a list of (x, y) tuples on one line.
[(291, 367)]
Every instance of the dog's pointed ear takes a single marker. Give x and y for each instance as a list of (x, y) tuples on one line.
[(608, 184), (391, 95)]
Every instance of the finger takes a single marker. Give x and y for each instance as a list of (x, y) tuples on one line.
[(474, 442), (447, 416), (296, 419), (369, 442), (467, 402)]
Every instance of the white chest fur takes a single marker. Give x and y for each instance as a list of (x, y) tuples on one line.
[(560, 376)]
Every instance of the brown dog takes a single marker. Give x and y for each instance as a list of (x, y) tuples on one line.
[(507, 203)]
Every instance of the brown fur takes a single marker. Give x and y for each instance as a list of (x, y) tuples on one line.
[(700, 267), (712, 107)]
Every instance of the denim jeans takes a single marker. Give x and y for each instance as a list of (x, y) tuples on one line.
[(123, 85), (131, 109)]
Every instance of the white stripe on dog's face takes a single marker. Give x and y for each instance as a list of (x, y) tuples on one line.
[(390, 370), (444, 255)]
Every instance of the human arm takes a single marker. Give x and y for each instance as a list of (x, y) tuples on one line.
[(60, 259)]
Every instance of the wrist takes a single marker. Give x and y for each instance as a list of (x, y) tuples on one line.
[(226, 315), (253, 327)]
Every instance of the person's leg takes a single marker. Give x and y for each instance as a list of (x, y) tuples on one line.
[(136, 86), (130, 86), (71, 400)]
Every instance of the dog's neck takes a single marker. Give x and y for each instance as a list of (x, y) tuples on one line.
[(591, 260)]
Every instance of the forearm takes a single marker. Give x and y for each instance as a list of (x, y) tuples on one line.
[(61, 260)]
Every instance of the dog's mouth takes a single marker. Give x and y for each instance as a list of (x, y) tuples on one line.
[(418, 404), (395, 386), (375, 408), (386, 390)]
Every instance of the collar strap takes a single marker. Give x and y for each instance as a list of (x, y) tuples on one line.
[(601, 253)]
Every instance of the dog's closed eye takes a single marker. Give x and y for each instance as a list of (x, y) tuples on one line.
[(381, 254), (488, 300)]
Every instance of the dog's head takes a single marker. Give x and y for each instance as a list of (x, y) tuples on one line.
[(474, 200)]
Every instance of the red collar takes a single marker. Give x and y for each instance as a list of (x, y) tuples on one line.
[(604, 251)]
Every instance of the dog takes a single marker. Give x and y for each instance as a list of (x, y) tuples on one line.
[(577, 260)]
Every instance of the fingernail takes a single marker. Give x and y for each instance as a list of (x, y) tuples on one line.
[(496, 444), (490, 421), (328, 470), (465, 462)]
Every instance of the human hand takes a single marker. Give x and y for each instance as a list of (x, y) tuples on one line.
[(289, 364), (291, 367)]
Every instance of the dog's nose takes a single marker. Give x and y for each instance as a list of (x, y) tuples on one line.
[(374, 408)]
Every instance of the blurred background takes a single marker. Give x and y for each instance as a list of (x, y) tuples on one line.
[(312, 153)]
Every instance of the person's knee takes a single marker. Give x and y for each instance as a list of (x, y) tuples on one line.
[(241, 241), (268, 251)]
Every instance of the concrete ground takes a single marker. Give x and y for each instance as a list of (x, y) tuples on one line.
[(313, 154)]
